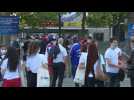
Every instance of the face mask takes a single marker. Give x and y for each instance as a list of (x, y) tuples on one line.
[(114, 45), (3, 52)]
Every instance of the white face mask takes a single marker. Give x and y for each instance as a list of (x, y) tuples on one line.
[(3, 52)]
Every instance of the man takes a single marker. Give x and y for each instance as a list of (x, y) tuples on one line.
[(113, 64), (75, 56)]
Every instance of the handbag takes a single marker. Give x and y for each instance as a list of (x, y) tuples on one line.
[(43, 78), (100, 71), (80, 74)]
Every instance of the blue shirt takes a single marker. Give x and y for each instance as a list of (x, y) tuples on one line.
[(75, 54)]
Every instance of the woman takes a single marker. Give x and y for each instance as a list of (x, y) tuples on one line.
[(91, 60), (9, 68), (59, 63), (33, 62), (80, 72), (99, 83)]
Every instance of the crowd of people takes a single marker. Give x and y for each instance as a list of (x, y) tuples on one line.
[(89, 67)]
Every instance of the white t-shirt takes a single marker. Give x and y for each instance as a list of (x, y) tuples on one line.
[(9, 75), (83, 58), (113, 55), (61, 55), (34, 62), (118, 50)]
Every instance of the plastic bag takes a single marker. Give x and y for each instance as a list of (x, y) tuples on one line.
[(43, 78)]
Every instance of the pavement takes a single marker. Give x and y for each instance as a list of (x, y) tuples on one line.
[(68, 82)]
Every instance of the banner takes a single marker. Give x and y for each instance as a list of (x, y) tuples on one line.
[(9, 25), (72, 17)]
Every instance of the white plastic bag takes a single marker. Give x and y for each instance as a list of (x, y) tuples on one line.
[(80, 76), (80, 73), (22, 73), (23, 78), (43, 78)]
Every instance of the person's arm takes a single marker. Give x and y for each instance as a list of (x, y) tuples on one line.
[(81, 66), (45, 61), (45, 66), (65, 57), (4, 66), (82, 62), (27, 65), (65, 60), (109, 62)]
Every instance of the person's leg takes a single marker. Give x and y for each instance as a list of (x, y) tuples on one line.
[(51, 78), (61, 71), (91, 82), (34, 80), (31, 79), (28, 74), (99, 83), (73, 71), (76, 84), (117, 82), (114, 82), (55, 75)]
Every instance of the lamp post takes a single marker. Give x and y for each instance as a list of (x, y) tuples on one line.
[(59, 16), (83, 21)]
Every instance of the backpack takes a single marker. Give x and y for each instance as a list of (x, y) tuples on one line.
[(54, 51)]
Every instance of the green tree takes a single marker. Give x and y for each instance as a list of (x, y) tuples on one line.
[(105, 19), (36, 18)]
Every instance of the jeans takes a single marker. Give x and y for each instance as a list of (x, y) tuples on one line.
[(99, 83), (73, 70), (58, 73), (114, 81)]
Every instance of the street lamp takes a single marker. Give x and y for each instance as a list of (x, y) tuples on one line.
[(59, 15)]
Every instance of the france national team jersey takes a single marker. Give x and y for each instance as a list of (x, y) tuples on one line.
[(75, 54)]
